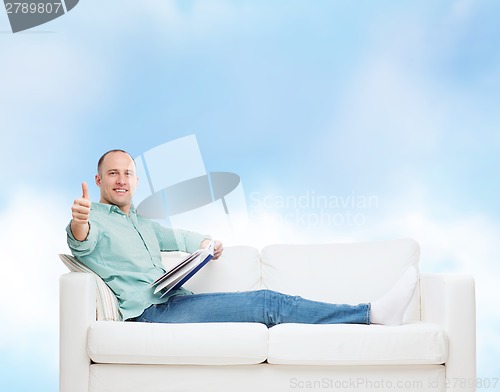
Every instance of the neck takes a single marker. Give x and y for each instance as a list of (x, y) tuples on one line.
[(125, 209)]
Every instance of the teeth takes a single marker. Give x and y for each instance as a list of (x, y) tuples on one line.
[(120, 190)]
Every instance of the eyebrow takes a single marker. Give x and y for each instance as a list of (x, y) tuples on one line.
[(117, 170)]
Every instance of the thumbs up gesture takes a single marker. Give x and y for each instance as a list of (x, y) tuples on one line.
[(81, 213)]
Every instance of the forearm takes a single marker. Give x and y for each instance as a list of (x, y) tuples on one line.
[(189, 241), (178, 239)]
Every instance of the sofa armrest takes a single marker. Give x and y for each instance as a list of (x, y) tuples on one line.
[(449, 301), (77, 299)]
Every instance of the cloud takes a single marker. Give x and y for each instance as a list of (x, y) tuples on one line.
[(49, 76), (31, 236), (388, 112), (419, 87)]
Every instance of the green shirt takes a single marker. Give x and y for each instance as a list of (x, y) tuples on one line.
[(124, 250)]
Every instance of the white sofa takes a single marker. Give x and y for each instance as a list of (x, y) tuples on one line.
[(434, 350)]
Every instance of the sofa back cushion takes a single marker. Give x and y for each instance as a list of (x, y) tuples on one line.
[(340, 273), (238, 269)]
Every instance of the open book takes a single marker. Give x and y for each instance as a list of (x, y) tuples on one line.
[(184, 270)]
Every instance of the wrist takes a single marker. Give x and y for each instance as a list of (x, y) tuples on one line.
[(80, 230), (204, 243)]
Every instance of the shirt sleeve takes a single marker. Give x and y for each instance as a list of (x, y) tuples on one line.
[(178, 239), (85, 247)]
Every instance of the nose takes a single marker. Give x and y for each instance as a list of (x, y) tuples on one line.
[(121, 179)]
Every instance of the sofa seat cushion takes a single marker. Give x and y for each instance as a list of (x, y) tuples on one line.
[(177, 344), (408, 344)]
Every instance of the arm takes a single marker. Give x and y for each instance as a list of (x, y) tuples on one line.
[(77, 311), (449, 301)]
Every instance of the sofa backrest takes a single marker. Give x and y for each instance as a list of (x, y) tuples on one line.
[(339, 273)]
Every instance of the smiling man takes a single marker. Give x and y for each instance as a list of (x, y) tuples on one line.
[(118, 244)]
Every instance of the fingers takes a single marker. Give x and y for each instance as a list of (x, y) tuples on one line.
[(81, 210), (85, 191)]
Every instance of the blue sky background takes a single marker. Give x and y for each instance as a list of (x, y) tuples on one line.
[(391, 102)]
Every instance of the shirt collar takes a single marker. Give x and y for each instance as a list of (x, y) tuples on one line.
[(111, 208)]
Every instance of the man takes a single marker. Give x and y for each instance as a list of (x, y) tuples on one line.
[(124, 249)]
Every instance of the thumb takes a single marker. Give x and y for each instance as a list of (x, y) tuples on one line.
[(85, 191)]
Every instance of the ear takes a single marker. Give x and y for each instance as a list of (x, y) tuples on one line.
[(98, 180)]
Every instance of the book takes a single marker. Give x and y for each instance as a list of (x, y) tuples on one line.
[(184, 270)]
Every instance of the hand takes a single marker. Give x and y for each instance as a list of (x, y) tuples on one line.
[(81, 212), (218, 248)]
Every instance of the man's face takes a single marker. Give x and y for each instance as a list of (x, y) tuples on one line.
[(117, 180)]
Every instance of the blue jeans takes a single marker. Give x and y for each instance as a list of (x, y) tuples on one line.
[(262, 306)]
